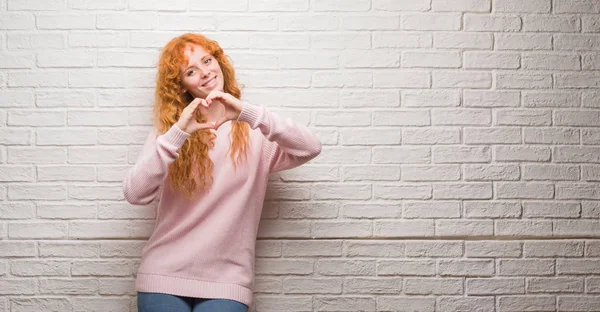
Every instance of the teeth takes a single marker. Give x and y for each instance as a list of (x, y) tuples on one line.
[(209, 82)]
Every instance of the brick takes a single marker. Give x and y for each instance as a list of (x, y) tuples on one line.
[(18, 287), (426, 209), (517, 153), (341, 303), (345, 155), (523, 228), (312, 285), (554, 285), (408, 228), (383, 249), (529, 267), (523, 81), (336, 229), (550, 172), (376, 98), (423, 304), (110, 229), (430, 21), (428, 249), (461, 154), (401, 79), (491, 99), (524, 303), (465, 267), (551, 99), (535, 6), (433, 286), (493, 22), (493, 249), (309, 22), (372, 172), (300, 210), (267, 285), (461, 303), (406, 267), (18, 248), (464, 228), (578, 303), (549, 249), (277, 228), (368, 22), (462, 191), (284, 267), (342, 191), (491, 172), (361, 285), (312, 248), (431, 59), (576, 191), (574, 42), (487, 60), (581, 6), (553, 135), (371, 211), (500, 135), (28, 268), (75, 286), (431, 173), (40, 304), (336, 41), (189, 22), (391, 5), (495, 286), (401, 155), (544, 209), (570, 154), (24, 40), (402, 191), (471, 79), (66, 210), (475, 209), (523, 42), (402, 40), (36, 192), (430, 98), (122, 249), (17, 210), (467, 117), (463, 40), (288, 303), (440, 135), (551, 23)]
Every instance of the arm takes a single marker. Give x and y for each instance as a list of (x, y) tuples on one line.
[(142, 181), (288, 145)]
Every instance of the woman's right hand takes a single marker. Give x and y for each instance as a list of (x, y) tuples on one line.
[(187, 121)]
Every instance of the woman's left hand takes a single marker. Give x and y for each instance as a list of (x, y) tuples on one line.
[(221, 107)]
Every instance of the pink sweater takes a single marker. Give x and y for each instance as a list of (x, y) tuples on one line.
[(204, 247)]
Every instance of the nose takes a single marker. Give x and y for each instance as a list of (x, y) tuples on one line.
[(204, 72)]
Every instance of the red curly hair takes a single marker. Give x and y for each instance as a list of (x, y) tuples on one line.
[(193, 167)]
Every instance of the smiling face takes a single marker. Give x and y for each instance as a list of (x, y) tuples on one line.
[(202, 73)]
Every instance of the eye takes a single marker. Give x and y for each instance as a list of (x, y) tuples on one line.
[(207, 61), (190, 72)]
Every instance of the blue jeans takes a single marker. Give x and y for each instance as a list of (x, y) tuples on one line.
[(154, 302)]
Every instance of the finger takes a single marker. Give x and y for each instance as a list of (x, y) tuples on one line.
[(214, 95), (205, 125), (204, 103)]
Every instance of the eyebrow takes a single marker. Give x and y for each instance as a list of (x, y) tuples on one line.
[(202, 59)]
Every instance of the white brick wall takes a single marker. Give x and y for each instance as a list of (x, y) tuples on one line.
[(460, 167)]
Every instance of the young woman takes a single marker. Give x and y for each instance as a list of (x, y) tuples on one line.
[(207, 161)]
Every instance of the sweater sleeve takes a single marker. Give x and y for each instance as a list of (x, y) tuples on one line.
[(142, 181), (288, 144)]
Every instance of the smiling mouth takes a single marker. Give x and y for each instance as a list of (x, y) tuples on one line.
[(210, 82)]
